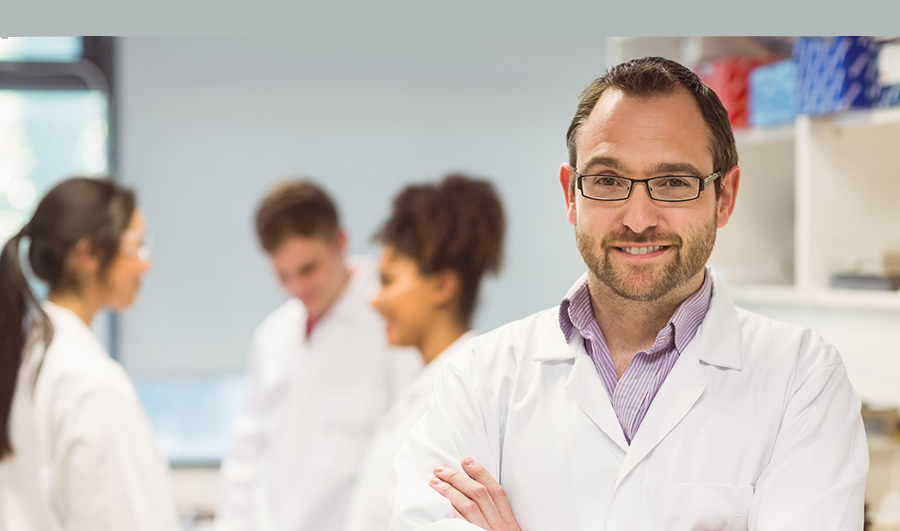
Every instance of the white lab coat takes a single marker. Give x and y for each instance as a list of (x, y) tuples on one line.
[(311, 407), (370, 505), (756, 427), (85, 457)]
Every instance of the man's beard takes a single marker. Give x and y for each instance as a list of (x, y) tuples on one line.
[(646, 284)]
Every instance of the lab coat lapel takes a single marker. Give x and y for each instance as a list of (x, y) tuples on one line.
[(587, 389), (718, 342), (678, 394)]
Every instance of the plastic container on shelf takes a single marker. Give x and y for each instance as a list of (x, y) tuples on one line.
[(835, 73), (773, 94), (888, 92), (730, 79)]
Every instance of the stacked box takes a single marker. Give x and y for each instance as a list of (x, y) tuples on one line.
[(888, 92), (729, 78), (835, 73), (773, 94)]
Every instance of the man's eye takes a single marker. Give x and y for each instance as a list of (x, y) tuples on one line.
[(674, 182), (605, 181)]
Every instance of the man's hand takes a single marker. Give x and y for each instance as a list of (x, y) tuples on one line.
[(476, 496)]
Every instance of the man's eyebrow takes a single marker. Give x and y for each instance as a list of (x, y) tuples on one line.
[(678, 168), (670, 168), (609, 162)]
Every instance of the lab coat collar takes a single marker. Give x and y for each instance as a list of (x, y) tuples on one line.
[(361, 286), (424, 381), (718, 341)]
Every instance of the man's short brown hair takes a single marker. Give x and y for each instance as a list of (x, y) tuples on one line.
[(296, 207), (655, 76)]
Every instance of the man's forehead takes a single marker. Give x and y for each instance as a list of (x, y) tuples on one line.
[(613, 97), (619, 113)]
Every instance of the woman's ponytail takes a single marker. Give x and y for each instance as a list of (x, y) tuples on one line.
[(19, 312)]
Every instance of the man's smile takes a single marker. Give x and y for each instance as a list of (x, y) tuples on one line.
[(643, 250)]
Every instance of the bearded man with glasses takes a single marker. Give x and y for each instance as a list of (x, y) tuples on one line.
[(646, 399)]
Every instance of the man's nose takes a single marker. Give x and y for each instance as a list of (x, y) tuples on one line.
[(641, 212)]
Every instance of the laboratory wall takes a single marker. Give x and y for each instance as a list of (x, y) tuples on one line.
[(207, 125)]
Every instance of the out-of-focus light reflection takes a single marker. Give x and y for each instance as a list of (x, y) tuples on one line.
[(10, 223), (41, 49), (21, 194), (10, 107), (93, 144), (95, 131), (95, 158), (9, 48), (6, 174)]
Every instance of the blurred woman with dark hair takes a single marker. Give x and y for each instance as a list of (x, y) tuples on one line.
[(76, 448), (439, 242)]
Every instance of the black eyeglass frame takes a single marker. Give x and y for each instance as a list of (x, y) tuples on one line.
[(704, 183)]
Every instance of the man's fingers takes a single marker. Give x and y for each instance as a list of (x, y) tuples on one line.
[(463, 507), (475, 492), (494, 489)]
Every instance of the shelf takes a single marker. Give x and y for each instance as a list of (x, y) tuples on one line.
[(764, 135), (847, 299), (766, 294), (852, 119), (866, 117), (860, 299)]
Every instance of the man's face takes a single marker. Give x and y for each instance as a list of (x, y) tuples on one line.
[(642, 249), (311, 269)]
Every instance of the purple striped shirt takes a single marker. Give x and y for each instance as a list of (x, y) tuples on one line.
[(631, 396)]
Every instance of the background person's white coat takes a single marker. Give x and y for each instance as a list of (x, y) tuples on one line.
[(370, 505), (311, 408), (85, 457)]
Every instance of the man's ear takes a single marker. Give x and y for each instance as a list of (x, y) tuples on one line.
[(340, 240), (725, 206), (567, 181)]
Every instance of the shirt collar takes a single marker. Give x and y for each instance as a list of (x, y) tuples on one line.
[(575, 311)]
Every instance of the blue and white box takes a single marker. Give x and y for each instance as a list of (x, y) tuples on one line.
[(773, 94), (888, 74), (835, 73)]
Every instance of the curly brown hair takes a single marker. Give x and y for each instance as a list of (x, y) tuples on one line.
[(456, 224)]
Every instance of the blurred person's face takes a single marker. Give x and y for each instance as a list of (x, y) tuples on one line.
[(312, 269), (408, 301), (121, 281)]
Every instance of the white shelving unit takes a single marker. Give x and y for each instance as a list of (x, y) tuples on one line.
[(817, 197)]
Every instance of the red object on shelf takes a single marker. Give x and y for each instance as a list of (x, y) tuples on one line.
[(730, 79)]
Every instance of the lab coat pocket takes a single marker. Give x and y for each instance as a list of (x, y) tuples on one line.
[(702, 507)]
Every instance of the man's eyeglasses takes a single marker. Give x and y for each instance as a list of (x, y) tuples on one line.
[(671, 188)]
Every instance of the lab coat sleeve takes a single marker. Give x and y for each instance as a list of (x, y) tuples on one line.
[(455, 426), (111, 476), (817, 473), (240, 470)]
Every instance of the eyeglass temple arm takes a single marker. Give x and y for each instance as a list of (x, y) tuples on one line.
[(706, 182)]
